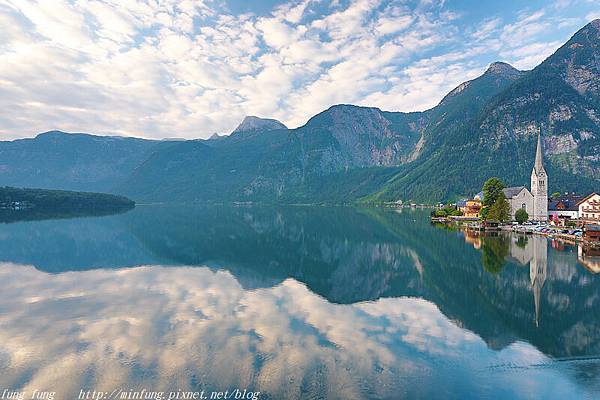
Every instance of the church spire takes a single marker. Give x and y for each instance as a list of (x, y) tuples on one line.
[(539, 161)]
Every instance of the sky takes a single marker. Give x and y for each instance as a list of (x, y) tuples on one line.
[(188, 69)]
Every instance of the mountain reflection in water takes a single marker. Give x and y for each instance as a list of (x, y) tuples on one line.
[(294, 302)]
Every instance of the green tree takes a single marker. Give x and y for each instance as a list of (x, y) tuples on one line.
[(492, 188), (521, 216), (440, 213), (484, 213), (447, 211), (500, 210), (555, 195)]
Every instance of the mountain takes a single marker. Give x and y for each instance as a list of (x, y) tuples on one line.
[(252, 123), (484, 127), (342, 154), (559, 98), (58, 160), (343, 148)]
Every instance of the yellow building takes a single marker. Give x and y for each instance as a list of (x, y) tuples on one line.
[(472, 208)]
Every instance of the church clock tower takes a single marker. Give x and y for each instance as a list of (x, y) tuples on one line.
[(539, 185)]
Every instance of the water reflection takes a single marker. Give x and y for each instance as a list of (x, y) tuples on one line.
[(193, 328), (589, 258), (302, 302)]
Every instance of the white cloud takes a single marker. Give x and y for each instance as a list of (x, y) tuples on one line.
[(592, 16), (530, 55), (190, 68), (487, 28)]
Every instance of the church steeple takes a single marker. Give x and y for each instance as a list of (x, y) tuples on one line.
[(539, 159), (539, 184)]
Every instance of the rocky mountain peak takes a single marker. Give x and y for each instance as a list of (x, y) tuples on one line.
[(252, 123), (502, 68), (578, 61)]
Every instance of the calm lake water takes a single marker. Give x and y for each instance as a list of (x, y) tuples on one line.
[(293, 303)]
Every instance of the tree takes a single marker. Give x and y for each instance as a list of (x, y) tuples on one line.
[(500, 210), (521, 216), (447, 211), (555, 195), (491, 190), (484, 213)]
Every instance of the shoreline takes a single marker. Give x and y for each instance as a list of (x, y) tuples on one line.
[(476, 225)]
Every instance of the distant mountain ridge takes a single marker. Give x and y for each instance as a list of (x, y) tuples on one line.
[(484, 127), (77, 161)]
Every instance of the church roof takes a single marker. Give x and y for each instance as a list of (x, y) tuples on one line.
[(511, 192)]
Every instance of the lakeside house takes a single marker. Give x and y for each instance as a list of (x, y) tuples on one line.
[(471, 208), (565, 207), (592, 232), (589, 209)]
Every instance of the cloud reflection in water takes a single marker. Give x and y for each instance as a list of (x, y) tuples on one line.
[(192, 328)]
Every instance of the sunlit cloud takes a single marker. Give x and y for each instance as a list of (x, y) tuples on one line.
[(191, 68)]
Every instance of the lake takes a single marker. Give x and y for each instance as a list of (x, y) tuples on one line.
[(293, 303)]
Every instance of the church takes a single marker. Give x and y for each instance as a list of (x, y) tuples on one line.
[(536, 201)]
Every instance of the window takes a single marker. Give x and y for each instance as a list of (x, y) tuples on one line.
[(523, 206)]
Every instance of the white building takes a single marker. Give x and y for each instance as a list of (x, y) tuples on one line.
[(564, 207), (536, 201), (519, 197), (589, 208)]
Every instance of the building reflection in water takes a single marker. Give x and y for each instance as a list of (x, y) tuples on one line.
[(589, 258), (473, 237), (532, 250), (538, 267), (523, 250)]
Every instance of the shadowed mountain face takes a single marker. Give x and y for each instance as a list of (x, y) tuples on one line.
[(504, 289), (485, 127), (57, 160)]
